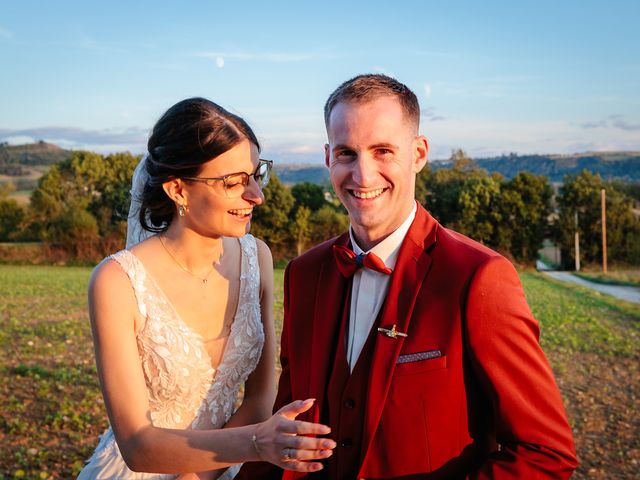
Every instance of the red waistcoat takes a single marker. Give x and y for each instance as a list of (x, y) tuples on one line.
[(346, 404)]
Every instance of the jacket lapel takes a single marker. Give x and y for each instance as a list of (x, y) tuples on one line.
[(329, 304), (406, 281)]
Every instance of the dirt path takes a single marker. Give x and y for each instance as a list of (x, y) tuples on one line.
[(630, 294)]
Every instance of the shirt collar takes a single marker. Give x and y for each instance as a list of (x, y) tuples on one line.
[(388, 248)]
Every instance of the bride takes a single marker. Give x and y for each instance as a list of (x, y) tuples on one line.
[(183, 318)]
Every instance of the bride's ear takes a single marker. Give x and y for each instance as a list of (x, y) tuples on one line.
[(175, 191)]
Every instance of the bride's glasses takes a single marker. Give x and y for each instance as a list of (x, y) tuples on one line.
[(234, 184)]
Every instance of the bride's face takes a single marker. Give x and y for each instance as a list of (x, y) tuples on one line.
[(214, 209)]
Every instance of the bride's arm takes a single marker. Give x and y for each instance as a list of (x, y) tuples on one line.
[(260, 387), (112, 308)]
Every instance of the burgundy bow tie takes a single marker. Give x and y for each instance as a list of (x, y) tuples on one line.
[(348, 262)]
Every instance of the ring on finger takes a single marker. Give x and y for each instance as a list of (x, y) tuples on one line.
[(287, 454)]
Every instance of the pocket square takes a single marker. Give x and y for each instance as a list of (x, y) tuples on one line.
[(416, 357)]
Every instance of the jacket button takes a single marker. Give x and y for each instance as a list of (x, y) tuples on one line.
[(347, 442), (349, 403)]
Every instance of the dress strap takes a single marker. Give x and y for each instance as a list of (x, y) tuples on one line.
[(134, 269), (250, 270)]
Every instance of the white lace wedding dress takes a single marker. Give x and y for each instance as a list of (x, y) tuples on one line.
[(184, 390)]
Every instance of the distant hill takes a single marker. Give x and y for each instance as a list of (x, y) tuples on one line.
[(15, 160), (610, 165), (290, 174)]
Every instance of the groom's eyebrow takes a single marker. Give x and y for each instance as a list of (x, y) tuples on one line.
[(390, 146), (370, 147), (342, 147)]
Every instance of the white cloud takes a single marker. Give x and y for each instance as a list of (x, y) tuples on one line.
[(430, 115), (614, 122), (479, 137), (304, 149), (427, 90), (220, 62), (18, 139)]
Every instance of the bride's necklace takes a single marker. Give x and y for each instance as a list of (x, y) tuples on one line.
[(202, 279)]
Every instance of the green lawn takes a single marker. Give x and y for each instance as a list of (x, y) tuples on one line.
[(52, 411), (574, 319), (629, 278)]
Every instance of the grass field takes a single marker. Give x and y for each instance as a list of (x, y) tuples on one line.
[(52, 411), (630, 278)]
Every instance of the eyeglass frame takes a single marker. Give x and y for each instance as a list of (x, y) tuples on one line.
[(261, 161)]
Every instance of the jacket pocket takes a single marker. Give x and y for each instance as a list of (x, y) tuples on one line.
[(411, 368)]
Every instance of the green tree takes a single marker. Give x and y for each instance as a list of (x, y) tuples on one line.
[(6, 189), (111, 197), (327, 223), (76, 231), (301, 228), (623, 227), (271, 219), (525, 206), (11, 213), (308, 195), (444, 186), (581, 194), (85, 186), (509, 216), (479, 207)]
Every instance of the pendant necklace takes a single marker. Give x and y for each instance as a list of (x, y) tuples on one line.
[(202, 279)]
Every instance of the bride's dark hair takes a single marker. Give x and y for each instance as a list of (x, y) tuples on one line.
[(189, 134)]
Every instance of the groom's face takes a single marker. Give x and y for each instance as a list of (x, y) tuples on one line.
[(373, 155)]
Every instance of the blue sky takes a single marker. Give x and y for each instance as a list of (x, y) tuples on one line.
[(492, 77)]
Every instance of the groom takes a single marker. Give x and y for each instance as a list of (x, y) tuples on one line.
[(416, 341)]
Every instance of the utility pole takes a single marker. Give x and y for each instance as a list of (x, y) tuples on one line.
[(577, 245), (603, 198)]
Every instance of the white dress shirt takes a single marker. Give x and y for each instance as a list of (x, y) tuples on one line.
[(370, 289)]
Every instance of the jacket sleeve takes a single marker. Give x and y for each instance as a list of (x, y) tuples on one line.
[(531, 427), (265, 470)]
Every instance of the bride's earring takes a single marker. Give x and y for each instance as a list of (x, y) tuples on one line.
[(182, 210)]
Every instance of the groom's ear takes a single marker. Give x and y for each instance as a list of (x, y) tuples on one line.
[(175, 191)]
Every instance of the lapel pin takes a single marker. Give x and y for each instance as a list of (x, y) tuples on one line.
[(393, 333)]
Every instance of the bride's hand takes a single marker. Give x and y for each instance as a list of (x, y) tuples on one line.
[(282, 440)]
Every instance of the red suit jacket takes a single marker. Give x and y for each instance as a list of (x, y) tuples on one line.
[(487, 408)]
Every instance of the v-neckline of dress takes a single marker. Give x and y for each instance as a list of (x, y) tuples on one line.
[(192, 331)]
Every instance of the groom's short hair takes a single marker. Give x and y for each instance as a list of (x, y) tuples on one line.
[(368, 87)]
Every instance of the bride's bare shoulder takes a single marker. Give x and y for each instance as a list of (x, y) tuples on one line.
[(112, 300), (108, 276)]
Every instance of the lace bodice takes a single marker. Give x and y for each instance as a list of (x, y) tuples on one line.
[(184, 390)]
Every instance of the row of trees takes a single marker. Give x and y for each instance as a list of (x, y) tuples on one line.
[(80, 207), (515, 216), (581, 195)]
